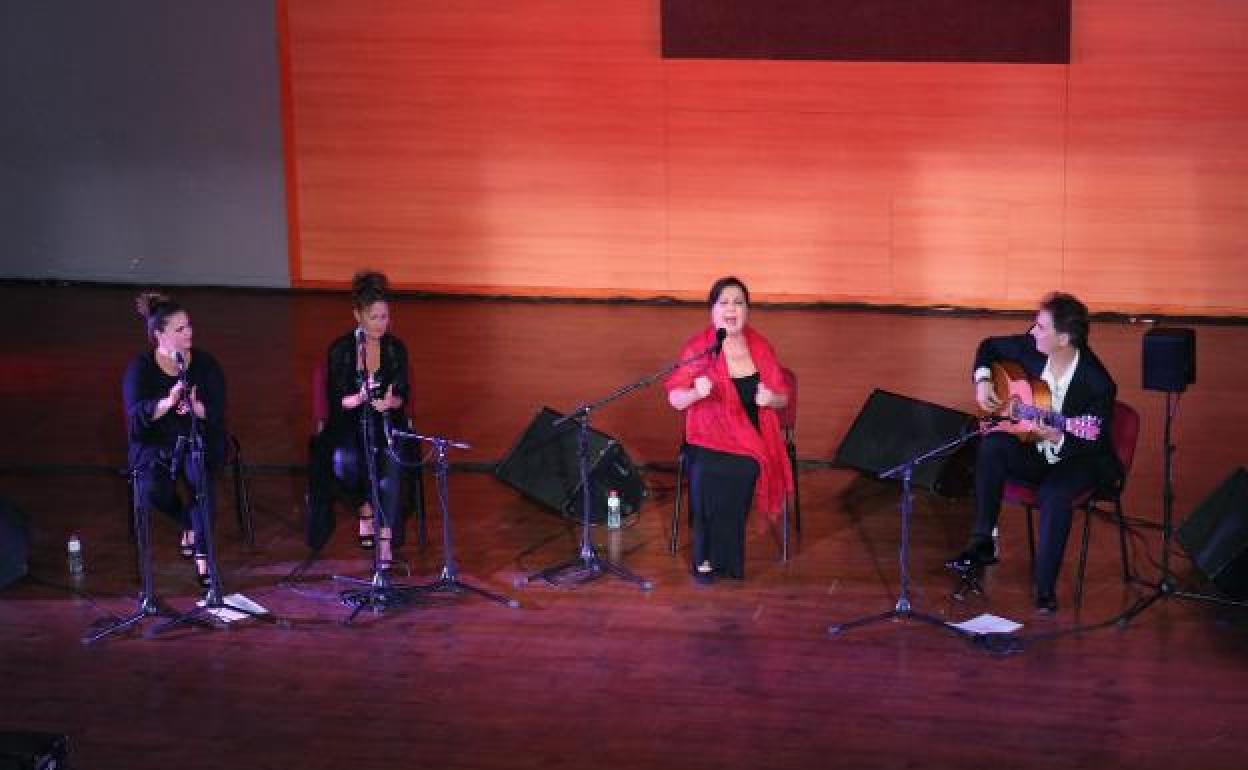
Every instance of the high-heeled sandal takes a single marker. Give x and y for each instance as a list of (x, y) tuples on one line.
[(385, 564), (186, 549), (367, 541), (202, 573)]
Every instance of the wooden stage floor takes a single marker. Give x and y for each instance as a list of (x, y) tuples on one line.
[(684, 676)]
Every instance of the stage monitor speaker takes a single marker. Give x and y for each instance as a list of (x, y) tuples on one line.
[(543, 465), (14, 543), (1169, 359), (892, 428), (1216, 536), (33, 751)]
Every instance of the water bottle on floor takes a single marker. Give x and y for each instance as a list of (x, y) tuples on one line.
[(73, 550), (613, 510)]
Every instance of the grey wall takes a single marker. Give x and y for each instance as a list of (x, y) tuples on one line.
[(141, 142)]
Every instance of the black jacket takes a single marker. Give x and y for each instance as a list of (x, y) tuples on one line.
[(1092, 392)]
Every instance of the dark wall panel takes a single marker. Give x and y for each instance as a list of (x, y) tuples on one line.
[(1020, 31)]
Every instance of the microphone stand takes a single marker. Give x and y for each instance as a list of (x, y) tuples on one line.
[(213, 599), (588, 565), (904, 609), (448, 581), (149, 604), (380, 592)]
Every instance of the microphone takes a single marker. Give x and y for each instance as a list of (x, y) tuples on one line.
[(720, 334), (180, 360)]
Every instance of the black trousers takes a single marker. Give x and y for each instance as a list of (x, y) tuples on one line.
[(721, 489), (158, 490), (1002, 457), (337, 469)]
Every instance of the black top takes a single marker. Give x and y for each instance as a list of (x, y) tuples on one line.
[(342, 379), (145, 383), (747, 389), (1091, 392)]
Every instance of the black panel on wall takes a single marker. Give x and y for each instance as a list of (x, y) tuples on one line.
[(1019, 31)]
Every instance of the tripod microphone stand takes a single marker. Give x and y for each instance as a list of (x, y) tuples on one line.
[(904, 609), (149, 604), (588, 565), (448, 581), (380, 593), (1166, 586), (213, 599)]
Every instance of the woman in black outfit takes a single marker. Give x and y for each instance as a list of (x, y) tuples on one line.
[(382, 392), (159, 403)]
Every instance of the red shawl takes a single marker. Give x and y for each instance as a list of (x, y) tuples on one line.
[(720, 422)]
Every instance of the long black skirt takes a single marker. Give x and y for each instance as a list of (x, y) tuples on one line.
[(721, 489)]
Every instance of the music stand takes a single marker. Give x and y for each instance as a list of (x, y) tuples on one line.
[(904, 609)]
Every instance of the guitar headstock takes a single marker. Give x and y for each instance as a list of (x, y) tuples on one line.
[(1086, 427)]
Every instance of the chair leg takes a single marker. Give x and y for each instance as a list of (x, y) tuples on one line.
[(1031, 544), (416, 502), (784, 535), (242, 500), (1083, 556), (680, 487), (797, 494), (1122, 541)]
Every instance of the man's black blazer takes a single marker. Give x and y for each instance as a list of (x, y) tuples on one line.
[(1092, 392)]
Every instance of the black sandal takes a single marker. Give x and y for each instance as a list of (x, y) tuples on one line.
[(185, 549)]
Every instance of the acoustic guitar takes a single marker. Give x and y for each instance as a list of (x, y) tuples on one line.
[(1027, 404)]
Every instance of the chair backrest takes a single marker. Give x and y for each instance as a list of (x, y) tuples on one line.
[(788, 415), (320, 397), (1124, 433)]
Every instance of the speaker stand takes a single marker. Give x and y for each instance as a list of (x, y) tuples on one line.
[(1167, 587)]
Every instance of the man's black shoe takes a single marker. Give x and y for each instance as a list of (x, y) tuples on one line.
[(1046, 604), (973, 558)]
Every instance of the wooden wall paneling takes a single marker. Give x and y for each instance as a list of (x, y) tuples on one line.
[(1157, 217), (482, 145), (530, 147)]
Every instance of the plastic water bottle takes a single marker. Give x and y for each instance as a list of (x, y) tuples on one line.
[(613, 510), (73, 550)]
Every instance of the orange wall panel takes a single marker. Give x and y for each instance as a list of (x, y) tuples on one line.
[(541, 146)]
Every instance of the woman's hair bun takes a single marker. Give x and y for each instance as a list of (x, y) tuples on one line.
[(368, 286)]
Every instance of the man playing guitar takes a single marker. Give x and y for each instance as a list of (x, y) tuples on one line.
[(1067, 457)]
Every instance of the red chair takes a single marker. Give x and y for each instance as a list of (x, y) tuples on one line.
[(788, 425), (1124, 433), (413, 474)]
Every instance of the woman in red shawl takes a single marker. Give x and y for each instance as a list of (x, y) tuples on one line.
[(734, 449)]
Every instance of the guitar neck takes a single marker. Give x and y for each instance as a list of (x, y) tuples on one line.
[(1043, 416)]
